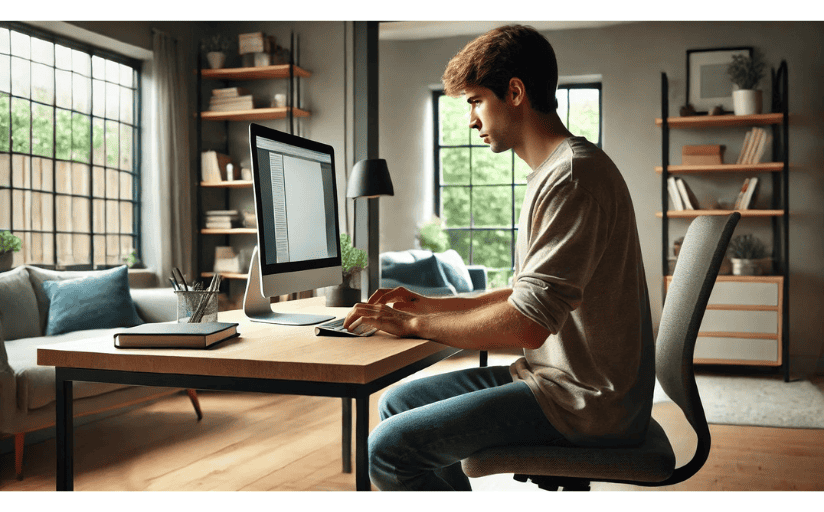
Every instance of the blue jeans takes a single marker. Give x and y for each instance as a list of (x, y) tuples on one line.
[(429, 425)]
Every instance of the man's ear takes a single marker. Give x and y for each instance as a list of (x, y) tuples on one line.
[(517, 91)]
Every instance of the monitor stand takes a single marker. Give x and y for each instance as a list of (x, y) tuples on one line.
[(259, 309)]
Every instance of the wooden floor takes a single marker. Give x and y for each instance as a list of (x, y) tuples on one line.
[(256, 442)]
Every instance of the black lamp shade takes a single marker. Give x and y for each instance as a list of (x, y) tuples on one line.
[(370, 178)]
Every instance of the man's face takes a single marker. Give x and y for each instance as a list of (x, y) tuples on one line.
[(491, 117)]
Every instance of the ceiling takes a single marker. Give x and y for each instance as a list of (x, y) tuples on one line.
[(410, 30)]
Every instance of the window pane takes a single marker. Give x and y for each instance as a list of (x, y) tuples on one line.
[(98, 144), (62, 57), (112, 219), (126, 105), (584, 113), (98, 182), (522, 170), (563, 105), (99, 98), (99, 250), (21, 171), (20, 125), (81, 138), (492, 249), (112, 250), (64, 249), (5, 46), (520, 191), (455, 206), (81, 93), (20, 77), (125, 147), (112, 71), (42, 214), (63, 210), (99, 221), (80, 179), (63, 135), (20, 45), (5, 214), (5, 122), (5, 171), (455, 166), (80, 214), (42, 51), (98, 68), (112, 184), (491, 168), (42, 78), (63, 178), (499, 278), (126, 217), (126, 186), (81, 62), (112, 101), (126, 75), (112, 143), (5, 74), (453, 114), (459, 240), (64, 89), (42, 130), (492, 206)]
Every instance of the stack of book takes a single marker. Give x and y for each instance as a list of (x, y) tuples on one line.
[(755, 145), (230, 99), (680, 195), (214, 166), (746, 195), (221, 219)]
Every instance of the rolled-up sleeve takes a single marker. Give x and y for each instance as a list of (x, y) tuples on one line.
[(566, 238)]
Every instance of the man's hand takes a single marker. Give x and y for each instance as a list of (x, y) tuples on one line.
[(390, 310)]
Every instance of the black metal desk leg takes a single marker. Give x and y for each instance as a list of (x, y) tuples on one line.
[(65, 433), (346, 434), (362, 482)]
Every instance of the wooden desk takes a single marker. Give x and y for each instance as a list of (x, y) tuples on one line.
[(265, 358)]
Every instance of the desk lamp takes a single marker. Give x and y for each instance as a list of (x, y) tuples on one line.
[(369, 179)]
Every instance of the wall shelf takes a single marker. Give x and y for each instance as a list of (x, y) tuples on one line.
[(227, 184), (691, 214), (255, 73), (258, 114), (721, 121), (731, 168)]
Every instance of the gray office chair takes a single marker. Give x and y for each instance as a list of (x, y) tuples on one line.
[(653, 462)]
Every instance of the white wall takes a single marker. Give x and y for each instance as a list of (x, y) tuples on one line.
[(630, 58)]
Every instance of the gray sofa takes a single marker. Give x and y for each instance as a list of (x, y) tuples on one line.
[(431, 274), (27, 393)]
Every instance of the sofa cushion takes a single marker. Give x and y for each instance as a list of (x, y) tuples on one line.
[(18, 305), (425, 269), (455, 270), (35, 384), (92, 302)]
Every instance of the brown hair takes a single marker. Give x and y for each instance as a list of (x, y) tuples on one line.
[(501, 54)]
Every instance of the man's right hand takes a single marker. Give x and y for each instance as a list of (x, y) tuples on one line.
[(403, 299)]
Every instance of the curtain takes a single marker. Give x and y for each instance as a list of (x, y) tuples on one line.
[(174, 189)]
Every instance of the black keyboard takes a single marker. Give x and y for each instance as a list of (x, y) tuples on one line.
[(335, 328)]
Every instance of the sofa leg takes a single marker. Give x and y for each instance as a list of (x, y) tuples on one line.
[(193, 397), (19, 445)]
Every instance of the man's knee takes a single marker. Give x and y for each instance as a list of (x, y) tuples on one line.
[(394, 401)]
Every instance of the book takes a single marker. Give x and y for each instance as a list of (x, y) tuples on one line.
[(744, 147), (686, 195), (762, 147), (675, 195), (229, 92), (748, 196), (214, 166), (741, 194), (175, 335)]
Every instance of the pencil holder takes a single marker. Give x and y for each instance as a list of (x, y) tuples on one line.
[(196, 306)]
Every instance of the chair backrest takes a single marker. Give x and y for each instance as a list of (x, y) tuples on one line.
[(702, 252)]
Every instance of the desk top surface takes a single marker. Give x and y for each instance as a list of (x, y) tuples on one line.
[(262, 351)]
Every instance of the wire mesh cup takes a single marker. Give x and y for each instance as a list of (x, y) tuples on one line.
[(196, 306)]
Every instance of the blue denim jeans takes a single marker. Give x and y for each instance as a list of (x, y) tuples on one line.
[(429, 425)]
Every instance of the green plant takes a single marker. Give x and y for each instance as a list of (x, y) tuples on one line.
[(432, 236), (130, 258), (352, 260), (9, 242), (746, 71), (747, 247), (215, 43)]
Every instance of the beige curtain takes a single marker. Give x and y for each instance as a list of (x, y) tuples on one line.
[(172, 158)]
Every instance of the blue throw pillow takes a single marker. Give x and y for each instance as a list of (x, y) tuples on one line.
[(426, 272), (96, 302)]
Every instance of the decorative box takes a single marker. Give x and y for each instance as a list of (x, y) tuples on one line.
[(708, 154)]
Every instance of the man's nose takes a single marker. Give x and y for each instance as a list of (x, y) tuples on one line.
[(474, 122)]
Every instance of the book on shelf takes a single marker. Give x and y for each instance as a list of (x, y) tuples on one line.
[(214, 166), (221, 219), (230, 104), (674, 194), (687, 197), (227, 260), (754, 147), (741, 194), (175, 335), (230, 92), (749, 196)]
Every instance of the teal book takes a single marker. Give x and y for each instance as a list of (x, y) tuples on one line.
[(173, 335)]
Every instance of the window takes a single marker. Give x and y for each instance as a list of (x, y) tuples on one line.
[(478, 193), (69, 146)]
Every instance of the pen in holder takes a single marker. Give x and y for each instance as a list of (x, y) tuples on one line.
[(195, 306)]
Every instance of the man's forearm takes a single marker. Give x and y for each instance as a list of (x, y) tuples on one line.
[(454, 304)]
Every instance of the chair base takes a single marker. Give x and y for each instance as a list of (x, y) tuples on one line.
[(552, 483)]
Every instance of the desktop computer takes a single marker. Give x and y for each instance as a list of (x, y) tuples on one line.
[(298, 237)]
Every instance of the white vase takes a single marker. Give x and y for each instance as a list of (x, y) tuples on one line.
[(742, 267), (746, 102), (216, 59)]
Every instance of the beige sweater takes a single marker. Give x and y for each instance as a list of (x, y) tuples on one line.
[(579, 273)]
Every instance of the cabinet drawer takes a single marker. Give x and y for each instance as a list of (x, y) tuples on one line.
[(737, 349), (722, 320), (744, 293)]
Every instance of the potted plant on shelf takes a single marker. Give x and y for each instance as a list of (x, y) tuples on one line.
[(746, 253), (745, 72), (215, 48), (9, 244), (352, 260)]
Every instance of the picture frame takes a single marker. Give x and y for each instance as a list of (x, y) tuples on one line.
[(708, 84)]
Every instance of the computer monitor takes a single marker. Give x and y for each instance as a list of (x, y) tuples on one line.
[(298, 237)]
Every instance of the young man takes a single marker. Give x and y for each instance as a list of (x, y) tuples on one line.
[(578, 305)]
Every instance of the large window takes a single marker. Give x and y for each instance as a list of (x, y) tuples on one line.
[(69, 146), (478, 193)]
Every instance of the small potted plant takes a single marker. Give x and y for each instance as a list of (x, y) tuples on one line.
[(432, 236), (215, 48), (9, 244), (746, 72), (746, 251), (352, 260)]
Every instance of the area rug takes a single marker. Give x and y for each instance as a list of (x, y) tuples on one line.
[(758, 401)]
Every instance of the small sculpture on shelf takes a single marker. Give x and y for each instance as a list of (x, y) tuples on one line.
[(215, 49)]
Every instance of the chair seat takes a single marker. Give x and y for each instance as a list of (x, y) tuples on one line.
[(651, 462)]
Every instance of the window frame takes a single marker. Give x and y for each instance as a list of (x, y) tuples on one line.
[(53, 194)]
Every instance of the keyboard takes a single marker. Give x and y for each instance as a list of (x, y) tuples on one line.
[(335, 328)]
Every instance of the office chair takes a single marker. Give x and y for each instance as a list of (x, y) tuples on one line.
[(653, 462)]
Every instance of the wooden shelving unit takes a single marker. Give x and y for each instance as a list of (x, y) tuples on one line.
[(258, 114), (747, 320), (256, 73), (227, 184)]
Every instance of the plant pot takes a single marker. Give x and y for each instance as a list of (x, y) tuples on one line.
[(741, 267), (6, 259), (216, 59), (746, 102), (342, 296)]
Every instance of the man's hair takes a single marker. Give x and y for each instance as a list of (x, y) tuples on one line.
[(501, 54)]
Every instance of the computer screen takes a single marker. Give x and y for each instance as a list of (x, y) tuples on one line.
[(297, 217)]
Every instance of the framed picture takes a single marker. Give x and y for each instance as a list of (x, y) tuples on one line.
[(708, 84)]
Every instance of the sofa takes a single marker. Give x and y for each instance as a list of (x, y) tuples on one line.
[(431, 274), (41, 307)]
